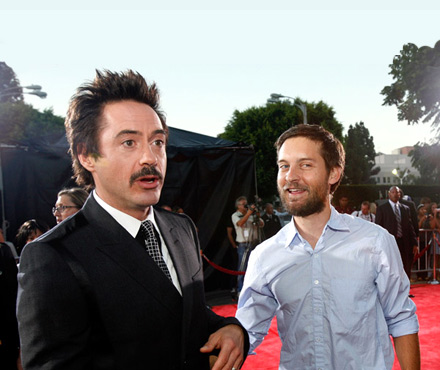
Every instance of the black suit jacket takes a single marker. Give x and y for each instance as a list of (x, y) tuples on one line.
[(386, 218), (413, 212), (90, 297)]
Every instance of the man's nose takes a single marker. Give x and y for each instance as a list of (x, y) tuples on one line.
[(148, 157)]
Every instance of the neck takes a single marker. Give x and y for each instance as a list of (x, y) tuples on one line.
[(311, 227)]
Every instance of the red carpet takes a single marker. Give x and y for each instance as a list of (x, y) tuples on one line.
[(427, 299)]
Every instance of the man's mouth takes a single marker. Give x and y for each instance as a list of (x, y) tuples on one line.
[(147, 176)]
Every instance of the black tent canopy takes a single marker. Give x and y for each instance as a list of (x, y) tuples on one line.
[(204, 176)]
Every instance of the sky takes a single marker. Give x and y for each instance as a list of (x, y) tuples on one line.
[(212, 58)]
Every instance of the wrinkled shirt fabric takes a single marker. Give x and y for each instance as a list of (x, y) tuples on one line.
[(336, 305)]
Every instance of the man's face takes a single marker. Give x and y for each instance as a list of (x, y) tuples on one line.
[(393, 194), (343, 202), (303, 180), (365, 209), (241, 206), (269, 209), (130, 171)]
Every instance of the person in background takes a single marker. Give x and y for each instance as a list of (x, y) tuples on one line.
[(9, 244), (178, 209), (9, 341), (230, 232), (247, 223), (406, 200), (28, 231), (69, 202), (435, 245), (364, 212), (335, 283), (373, 208), (396, 218), (343, 206), (272, 223)]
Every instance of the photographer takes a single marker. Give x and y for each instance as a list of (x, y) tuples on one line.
[(247, 223)]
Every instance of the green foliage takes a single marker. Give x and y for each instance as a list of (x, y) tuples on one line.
[(426, 159), (10, 90), (20, 122), (261, 127), (360, 154), (416, 90)]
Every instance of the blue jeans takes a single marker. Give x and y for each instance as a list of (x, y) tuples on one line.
[(241, 249)]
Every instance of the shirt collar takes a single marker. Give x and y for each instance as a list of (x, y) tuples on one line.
[(392, 203), (336, 222), (128, 222)]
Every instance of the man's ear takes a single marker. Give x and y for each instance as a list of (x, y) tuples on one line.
[(335, 175), (86, 160)]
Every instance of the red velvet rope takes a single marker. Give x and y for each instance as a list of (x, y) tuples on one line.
[(424, 250), (222, 269)]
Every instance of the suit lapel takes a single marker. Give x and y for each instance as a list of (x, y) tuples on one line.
[(183, 252), (118, 245)]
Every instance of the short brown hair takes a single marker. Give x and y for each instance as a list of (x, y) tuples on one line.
[(83, 121), (78, 196), (332, 150)]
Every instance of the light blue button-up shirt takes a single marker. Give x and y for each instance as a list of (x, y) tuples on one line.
[(337, 304)]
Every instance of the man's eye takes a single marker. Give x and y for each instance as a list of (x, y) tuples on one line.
[(128, 143), (158, 142), (283, 166)]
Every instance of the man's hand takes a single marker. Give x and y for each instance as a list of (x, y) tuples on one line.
[(230, 341)]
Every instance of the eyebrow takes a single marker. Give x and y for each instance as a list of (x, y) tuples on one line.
[(136, 132), (281, 160)]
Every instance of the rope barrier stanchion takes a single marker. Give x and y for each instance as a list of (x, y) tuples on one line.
[(222, 269)]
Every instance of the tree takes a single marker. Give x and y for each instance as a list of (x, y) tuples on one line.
[(360, 154), (416, 90), (20, 122), (261, 127), (10, 90), (424, 158)]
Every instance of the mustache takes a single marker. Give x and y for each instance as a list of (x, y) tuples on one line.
[(295, 186), (146, 171)]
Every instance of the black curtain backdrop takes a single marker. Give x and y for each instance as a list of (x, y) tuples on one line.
[(205, 175)]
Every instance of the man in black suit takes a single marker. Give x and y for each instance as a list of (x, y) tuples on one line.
[(404, 233), (272, 223), (119, 285), (413, 211), (9, 343)]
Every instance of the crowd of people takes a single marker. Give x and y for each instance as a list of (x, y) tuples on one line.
[(115, 270)]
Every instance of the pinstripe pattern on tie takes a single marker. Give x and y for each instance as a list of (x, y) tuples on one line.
[(399, 221)]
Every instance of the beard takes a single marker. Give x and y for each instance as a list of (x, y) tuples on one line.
[(315, 202)]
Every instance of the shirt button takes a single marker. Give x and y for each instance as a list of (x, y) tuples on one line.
[(316, 282), (318, 340)]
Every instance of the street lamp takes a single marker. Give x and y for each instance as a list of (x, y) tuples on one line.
[(276, 98), (35, 90), (395, 172)]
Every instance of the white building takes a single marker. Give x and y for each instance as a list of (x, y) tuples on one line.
[(395, 168)]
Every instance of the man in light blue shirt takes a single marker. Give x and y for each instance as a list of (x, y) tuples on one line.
[(335, 282)]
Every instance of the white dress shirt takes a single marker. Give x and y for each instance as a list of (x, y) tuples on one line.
[(132, 225)]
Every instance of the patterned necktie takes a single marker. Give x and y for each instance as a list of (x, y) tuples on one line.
[(399, 221), (152, 245)]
